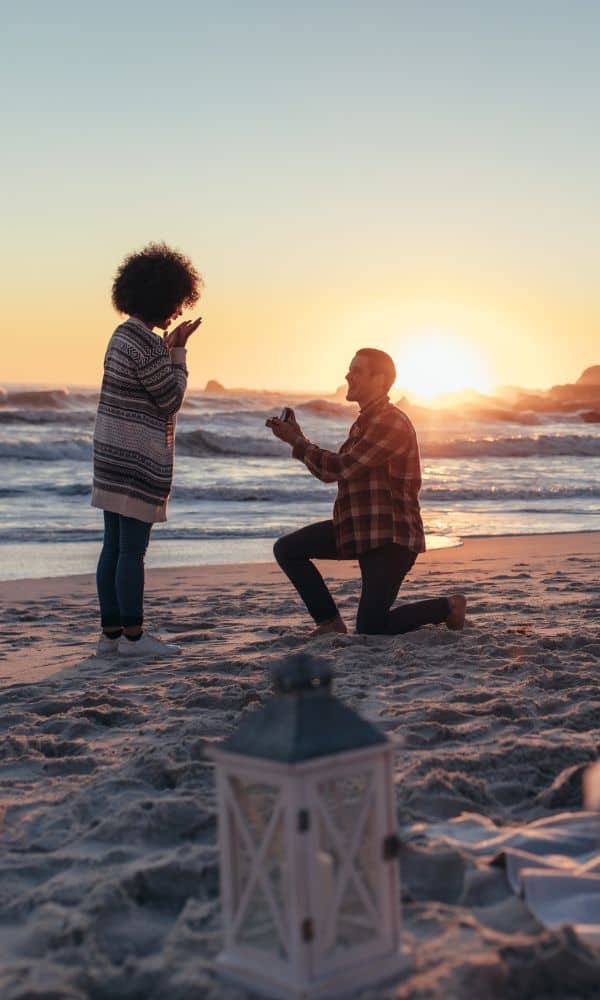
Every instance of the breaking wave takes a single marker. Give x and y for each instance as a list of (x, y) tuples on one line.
[(206, 444), (48, 399), (42, 416), (292, 493), (538, 445), (501, 494), (76, 448)]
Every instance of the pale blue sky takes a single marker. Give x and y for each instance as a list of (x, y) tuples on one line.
[(309, 156)]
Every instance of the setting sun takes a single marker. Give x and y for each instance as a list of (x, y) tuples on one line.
[(436, 363)]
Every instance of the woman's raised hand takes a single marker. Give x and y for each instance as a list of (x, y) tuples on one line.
[(178, 337)]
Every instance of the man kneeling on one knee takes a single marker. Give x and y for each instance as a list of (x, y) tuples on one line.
[(376, 515)]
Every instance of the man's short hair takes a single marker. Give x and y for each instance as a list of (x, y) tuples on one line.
[(380, 363)]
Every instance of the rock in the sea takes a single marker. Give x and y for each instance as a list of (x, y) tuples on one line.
[(213, 386), (591, 417), (591, 376)]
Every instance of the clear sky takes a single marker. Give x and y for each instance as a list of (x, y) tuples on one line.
[(421, 177)]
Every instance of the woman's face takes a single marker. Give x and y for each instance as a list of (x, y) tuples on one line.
[(167, 322)]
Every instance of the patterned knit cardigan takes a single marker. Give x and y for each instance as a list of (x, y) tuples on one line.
[(142, 390)]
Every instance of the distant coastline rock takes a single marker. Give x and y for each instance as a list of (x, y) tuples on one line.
[(591, 417), (591, 376), (215, 387), (324, 406), (570, 397), (574, 396)]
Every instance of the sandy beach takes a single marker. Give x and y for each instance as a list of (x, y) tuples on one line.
[(109, 883)]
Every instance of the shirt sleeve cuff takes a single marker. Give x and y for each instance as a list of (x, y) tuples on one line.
[(178, 356), (300, 448)]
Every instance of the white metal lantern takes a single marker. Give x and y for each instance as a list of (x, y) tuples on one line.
[(310, 885)]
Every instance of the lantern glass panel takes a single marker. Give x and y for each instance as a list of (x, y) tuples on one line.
[(260, 891), (348, 861), (256, 801)]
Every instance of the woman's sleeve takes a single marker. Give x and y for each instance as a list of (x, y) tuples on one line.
[(164, 377)]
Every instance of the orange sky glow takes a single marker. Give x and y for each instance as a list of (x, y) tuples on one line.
[(352, 178), (265, 339)]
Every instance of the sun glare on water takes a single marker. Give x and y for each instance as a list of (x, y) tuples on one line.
[(436, 363)]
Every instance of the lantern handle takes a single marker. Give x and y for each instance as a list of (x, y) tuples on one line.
[(301, 672)]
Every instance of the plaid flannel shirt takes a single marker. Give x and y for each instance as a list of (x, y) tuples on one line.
[(378, 471)]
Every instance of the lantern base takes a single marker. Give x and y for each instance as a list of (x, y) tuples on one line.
[(334, 986)]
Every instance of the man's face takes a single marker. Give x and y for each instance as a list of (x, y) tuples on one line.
[(362, 386)]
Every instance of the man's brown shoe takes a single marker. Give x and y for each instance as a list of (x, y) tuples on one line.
[(333, 625), (458, 609)]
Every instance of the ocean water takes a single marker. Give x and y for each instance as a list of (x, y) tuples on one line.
[(236, 488)]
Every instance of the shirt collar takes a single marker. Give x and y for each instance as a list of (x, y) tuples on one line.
[(138, 322), (142, 326), (374, 405)]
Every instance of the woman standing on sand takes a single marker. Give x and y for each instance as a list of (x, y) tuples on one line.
[(145, 378)]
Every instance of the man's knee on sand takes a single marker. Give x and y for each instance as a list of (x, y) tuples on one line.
[(279, 549), (286, 549)]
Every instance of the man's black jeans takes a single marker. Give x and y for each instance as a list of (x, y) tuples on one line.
[(382, 571)]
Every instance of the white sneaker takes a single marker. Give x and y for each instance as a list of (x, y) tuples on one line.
[(107, 646), (147, 645)]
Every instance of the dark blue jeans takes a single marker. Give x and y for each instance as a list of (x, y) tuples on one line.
[(120, 573), (382, 571)]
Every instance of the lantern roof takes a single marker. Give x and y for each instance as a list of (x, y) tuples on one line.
[(304, 720)]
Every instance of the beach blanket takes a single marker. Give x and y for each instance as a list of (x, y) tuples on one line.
[(552, 863)]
